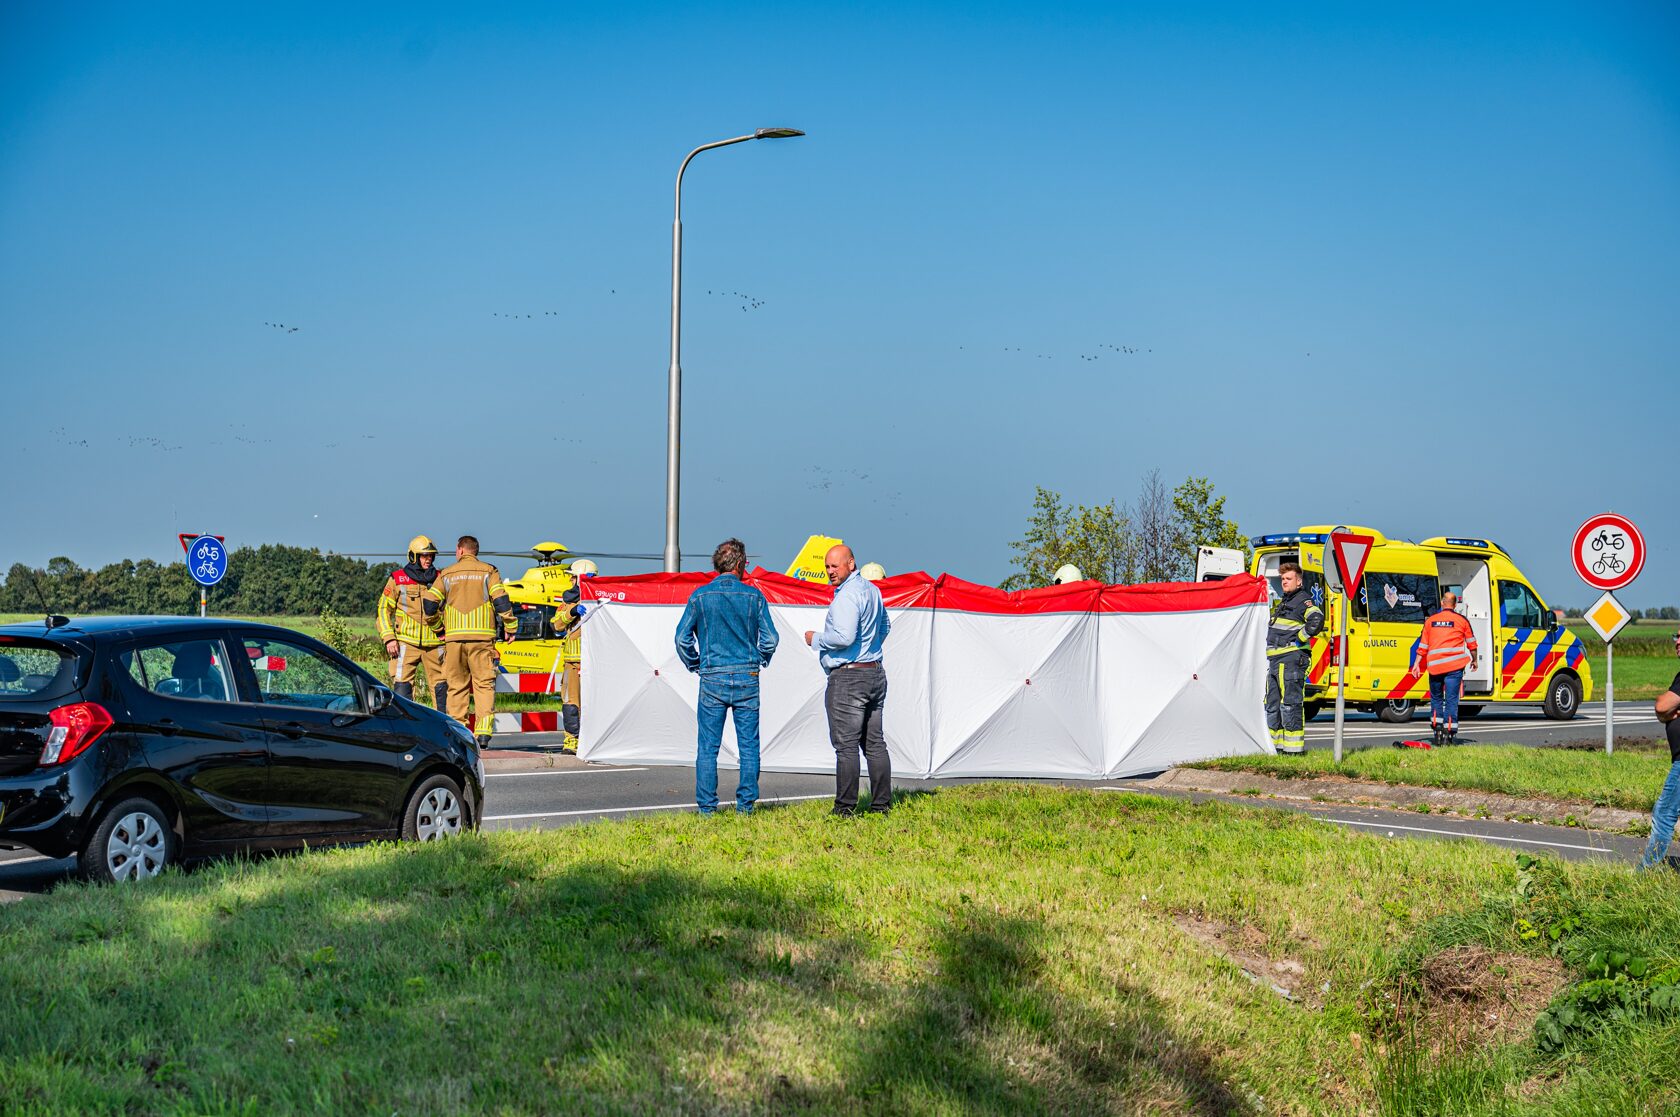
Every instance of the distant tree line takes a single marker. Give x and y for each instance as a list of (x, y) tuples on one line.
[(271, 580), (1665, 613), (1152, 539)]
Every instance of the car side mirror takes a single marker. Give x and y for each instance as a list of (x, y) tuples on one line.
[(379, 698), (1551, 621)]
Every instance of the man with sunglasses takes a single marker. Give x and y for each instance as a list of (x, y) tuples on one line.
[(1667, 811)]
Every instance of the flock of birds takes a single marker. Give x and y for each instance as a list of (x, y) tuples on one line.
[(748, 302), (752, 302), (1117, 350)]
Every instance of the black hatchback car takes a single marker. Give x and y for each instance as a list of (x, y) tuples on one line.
[(132, 742)]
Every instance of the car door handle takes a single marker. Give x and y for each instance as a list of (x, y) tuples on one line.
[(292, 729), (167, 727)]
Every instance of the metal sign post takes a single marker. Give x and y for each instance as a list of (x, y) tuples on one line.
[(1333, 581), (1608, 553), (1608, 618), (207, 563), (1345, 555)]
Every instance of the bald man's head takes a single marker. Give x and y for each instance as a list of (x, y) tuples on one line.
[(840, 563), (1449, 600)]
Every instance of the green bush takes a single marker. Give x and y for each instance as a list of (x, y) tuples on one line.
[(336, 634)]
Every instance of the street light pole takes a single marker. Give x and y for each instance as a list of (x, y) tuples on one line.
[(673, 411)]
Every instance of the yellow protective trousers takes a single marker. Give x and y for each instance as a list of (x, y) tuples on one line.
[(1286, 680), (469, 666)]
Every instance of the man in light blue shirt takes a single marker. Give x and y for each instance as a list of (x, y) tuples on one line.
[(849, 648)]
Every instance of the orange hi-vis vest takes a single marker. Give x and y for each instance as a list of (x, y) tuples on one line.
[(1448, 643)]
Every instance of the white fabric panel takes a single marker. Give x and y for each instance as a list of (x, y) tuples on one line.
[(636, 715), (1109, 694), (792, 723), (1015, 695)]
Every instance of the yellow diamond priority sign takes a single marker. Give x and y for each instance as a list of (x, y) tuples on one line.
[(1607, 616)]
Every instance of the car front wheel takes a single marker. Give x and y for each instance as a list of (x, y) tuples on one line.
[(435, 810), (133, 842)]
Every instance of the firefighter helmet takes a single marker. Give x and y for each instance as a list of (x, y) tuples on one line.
[(584, 568), (420, 545), (1068, 573), (873, 571)]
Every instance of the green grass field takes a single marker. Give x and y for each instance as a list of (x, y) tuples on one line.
[(1629, 778), (985, 950)]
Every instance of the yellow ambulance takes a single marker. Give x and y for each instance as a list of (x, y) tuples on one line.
[(1527, 656)]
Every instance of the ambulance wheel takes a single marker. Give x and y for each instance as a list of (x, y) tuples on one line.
[(1395, 709), (1469, 712), (1563, 697), (1310, 710)]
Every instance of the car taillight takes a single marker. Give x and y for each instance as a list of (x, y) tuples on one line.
[(74, 728)]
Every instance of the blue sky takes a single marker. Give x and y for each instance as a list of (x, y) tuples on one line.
[(1412, 267)]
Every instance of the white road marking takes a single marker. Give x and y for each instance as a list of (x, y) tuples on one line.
[(1414, 829), (24, 860), (568, 772), (1469, 729), (1461, 834), (650, 807)]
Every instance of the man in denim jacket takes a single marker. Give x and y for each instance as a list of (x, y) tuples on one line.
[(727, 636)]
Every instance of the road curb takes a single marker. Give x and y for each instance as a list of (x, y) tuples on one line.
[(528, 760), (1470, 804)]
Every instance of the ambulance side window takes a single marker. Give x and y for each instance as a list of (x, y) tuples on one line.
[(1401, 598), (1519, 608)]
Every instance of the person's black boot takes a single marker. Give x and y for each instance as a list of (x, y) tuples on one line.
[(483, 741), (403, 690)]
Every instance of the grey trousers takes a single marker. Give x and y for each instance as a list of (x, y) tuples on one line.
[(854, 701)]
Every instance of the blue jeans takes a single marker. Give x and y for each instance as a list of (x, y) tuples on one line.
[(720, 693), (1443, 698), (1663, 818)]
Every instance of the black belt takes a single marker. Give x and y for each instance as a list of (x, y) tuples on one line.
[(844, 666)]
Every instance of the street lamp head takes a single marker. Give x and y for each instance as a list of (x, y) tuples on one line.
[(776, 133)]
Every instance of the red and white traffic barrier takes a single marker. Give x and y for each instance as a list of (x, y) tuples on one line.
[(526, 682), (529, 721)]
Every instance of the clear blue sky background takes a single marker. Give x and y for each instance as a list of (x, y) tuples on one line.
[(1413, 266)]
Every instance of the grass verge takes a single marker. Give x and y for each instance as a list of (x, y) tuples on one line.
[(997, 949), (1629, 778)]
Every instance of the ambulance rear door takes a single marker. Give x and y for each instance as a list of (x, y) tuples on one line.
[(1469, 578)]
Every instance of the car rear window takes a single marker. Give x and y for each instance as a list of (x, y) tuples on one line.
[(36, 668)]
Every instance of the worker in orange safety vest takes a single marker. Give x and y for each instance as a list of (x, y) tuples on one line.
[(1447, 648)]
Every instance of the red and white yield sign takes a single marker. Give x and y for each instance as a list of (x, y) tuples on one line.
[(1608, 551), (1351, 551)]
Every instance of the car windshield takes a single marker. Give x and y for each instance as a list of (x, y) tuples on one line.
[(35, 669)]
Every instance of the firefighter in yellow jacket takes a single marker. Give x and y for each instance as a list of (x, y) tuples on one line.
[(467, 606), (409, 639)]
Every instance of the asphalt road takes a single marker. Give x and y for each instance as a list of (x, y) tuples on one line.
[(565, 796), (1520, 725)]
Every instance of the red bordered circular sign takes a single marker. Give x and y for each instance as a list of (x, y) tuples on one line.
[(1608, 551)]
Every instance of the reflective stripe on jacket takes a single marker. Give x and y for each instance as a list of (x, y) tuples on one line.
[(1295, 620), (466, 600), (402, 616), (1448, 643)]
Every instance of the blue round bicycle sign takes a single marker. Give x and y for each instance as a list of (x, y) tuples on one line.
[(207, 560)]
